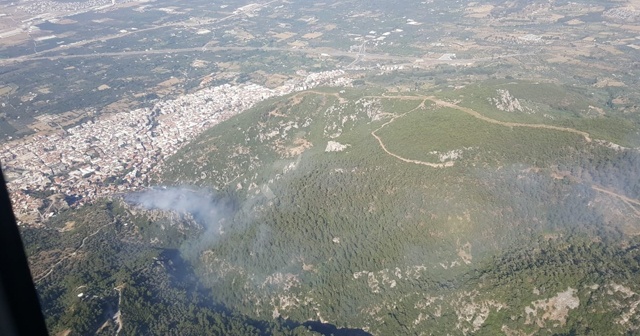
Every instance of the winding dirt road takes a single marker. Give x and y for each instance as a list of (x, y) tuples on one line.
[(384, 148), (628, 201), (467, 110), (505, 123), (632, 203), (478, 115)]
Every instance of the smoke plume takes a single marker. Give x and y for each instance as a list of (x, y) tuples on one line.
[(207, 208)]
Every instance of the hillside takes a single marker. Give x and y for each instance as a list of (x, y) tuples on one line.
[(427, 213), (359, 211)]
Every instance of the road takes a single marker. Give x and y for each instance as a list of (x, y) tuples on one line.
[(172, 51), (412, 61), (631, 202), (359, 57), (508, 124), (384, 148), (478, 115)]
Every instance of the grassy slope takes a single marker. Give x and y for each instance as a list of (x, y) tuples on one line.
[(551, 104)]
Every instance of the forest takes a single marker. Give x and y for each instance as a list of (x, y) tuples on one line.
[(528, 230)]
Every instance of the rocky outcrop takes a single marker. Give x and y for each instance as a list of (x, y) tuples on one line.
[(506, 102)]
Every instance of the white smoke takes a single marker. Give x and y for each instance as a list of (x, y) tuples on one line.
[(207, 209)]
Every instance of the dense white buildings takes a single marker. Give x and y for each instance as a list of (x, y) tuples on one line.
[(84, 161)]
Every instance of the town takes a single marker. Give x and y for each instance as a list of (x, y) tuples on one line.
[(118, 152)]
